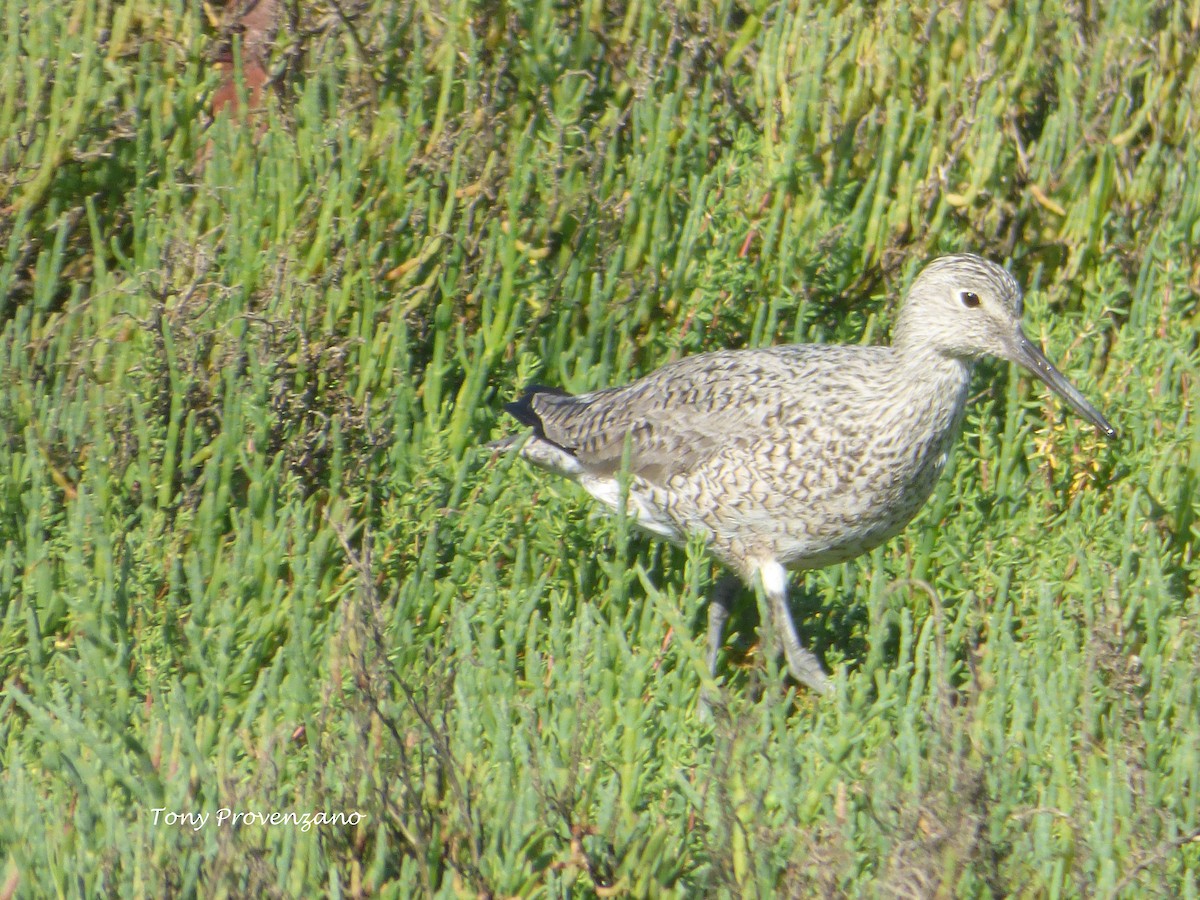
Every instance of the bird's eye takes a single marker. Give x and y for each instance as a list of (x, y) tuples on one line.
[(970, 299)]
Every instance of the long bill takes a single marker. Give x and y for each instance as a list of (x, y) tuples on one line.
[(1032, 358)]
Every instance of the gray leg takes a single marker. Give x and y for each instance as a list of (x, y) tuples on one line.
[(719, 606), (802, 663)]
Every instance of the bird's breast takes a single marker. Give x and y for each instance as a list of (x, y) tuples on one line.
[(818, 485), (877, 480)]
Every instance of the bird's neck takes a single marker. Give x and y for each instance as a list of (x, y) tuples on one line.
[(934, 386)]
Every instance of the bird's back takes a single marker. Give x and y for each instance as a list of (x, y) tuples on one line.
[(684, 412)]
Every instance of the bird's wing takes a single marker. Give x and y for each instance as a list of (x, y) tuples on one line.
[(679, 415)]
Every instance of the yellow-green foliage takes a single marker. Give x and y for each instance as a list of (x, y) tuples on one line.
[(254, 557)]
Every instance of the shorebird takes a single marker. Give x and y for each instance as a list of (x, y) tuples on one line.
[(797, 456)]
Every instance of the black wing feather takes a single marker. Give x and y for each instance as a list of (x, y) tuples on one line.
[(522, 410)]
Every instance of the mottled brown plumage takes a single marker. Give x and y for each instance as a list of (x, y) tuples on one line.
[(796, 456)]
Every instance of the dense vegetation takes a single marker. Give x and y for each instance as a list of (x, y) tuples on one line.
[(255, 557)]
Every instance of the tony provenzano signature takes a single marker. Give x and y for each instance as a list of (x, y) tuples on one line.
[(233, 818)]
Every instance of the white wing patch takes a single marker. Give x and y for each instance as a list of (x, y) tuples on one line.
[(638, 507)]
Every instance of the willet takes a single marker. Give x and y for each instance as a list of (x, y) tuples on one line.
[(799, 456)]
